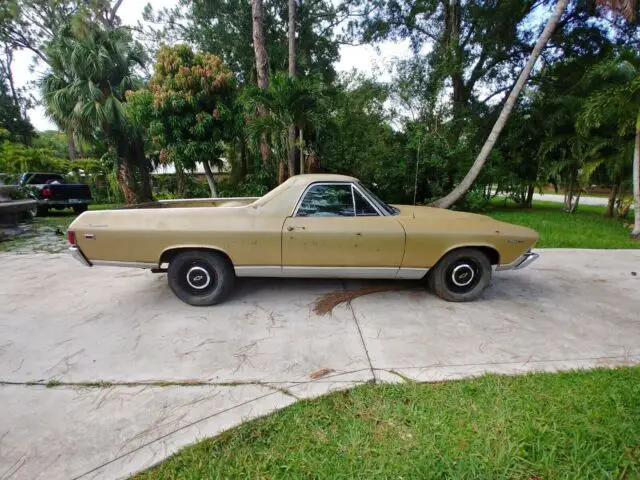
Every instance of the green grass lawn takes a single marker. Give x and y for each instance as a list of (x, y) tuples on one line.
[(585, 229), (541, 426)]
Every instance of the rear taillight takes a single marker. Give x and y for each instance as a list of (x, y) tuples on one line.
[(46, 192), (71, 236)]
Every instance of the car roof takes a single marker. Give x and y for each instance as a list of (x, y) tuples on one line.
[(324, 177)]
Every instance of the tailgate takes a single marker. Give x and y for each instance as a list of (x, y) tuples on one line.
[(69, 192)]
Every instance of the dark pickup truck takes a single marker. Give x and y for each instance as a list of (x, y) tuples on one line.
[(51, 191)]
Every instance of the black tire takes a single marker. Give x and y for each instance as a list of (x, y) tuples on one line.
[(461, 276), (201, 278), (42, 211), (78, 209)]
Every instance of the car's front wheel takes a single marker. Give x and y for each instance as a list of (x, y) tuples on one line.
[(201, 278), (461, 275)]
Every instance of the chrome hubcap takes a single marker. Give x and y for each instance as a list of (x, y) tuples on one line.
[(198, 278), (462, 275)]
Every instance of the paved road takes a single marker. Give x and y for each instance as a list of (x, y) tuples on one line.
[(584, 200), (144, 374)]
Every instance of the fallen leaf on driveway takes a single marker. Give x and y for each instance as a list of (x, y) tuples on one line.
[(323, 372)]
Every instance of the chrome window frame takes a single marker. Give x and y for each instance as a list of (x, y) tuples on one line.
[(353, 199)]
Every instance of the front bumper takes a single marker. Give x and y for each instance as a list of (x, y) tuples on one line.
[(522, 262), (78, 255)]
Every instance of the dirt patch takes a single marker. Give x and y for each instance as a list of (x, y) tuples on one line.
[(327, 302)]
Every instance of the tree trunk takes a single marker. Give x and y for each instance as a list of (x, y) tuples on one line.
[(292, 151), (302, 160), (528, 203), (210, 179), (635, 233), (180, 180), (125, 181), (611, 201), (292, 74), (146, 193), (262, 65), (474, 171), (282, 171), (71, 146)]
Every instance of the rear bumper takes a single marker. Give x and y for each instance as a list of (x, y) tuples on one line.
[(522, 262), (78, 255)]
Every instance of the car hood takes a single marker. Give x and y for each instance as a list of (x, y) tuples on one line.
[(452, 220)]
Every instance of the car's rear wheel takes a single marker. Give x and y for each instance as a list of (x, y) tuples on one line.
[(201, 278), (461, 275)]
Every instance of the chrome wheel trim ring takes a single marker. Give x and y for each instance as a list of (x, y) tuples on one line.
[(197, 274), (462, 275)]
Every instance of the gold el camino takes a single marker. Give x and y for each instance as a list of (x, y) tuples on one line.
[(310, 226)]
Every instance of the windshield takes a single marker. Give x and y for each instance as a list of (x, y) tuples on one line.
[(381, 205)]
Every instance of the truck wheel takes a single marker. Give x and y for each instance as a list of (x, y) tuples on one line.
[(78, 209), (201, 278), (461, 276), (42, 211)]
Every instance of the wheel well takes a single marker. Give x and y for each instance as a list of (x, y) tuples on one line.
[(168, 255), (491, 253)]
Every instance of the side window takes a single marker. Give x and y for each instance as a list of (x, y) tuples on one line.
[(327, 201), (363, 207)]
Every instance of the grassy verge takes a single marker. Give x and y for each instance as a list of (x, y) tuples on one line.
[(585, 229), (541, 426)]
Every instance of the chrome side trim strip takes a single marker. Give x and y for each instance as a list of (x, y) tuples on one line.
[(340, 272), (522, 262), (328, 272), (203, 200), (258, 271), (110, 263), (79, 256), (411, 273), (332, 272)]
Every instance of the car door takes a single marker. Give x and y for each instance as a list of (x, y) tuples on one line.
[(336, 231)]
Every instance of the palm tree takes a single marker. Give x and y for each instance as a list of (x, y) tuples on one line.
[(617, 100), (286, 101), (91, 70)]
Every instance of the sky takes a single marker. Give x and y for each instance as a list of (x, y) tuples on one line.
[(364, 58)]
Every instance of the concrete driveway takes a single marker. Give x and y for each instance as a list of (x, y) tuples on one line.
[(104, 372)]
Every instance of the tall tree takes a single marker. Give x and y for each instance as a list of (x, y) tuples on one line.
[(459, 191), (91, 70), (262, 63), (11, 118), (292, 74)]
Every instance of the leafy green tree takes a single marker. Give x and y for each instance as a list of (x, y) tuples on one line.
[(91, 69), (187, 108), (11, 117)]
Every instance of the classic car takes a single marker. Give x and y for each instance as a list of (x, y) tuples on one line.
[(310, 226)]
